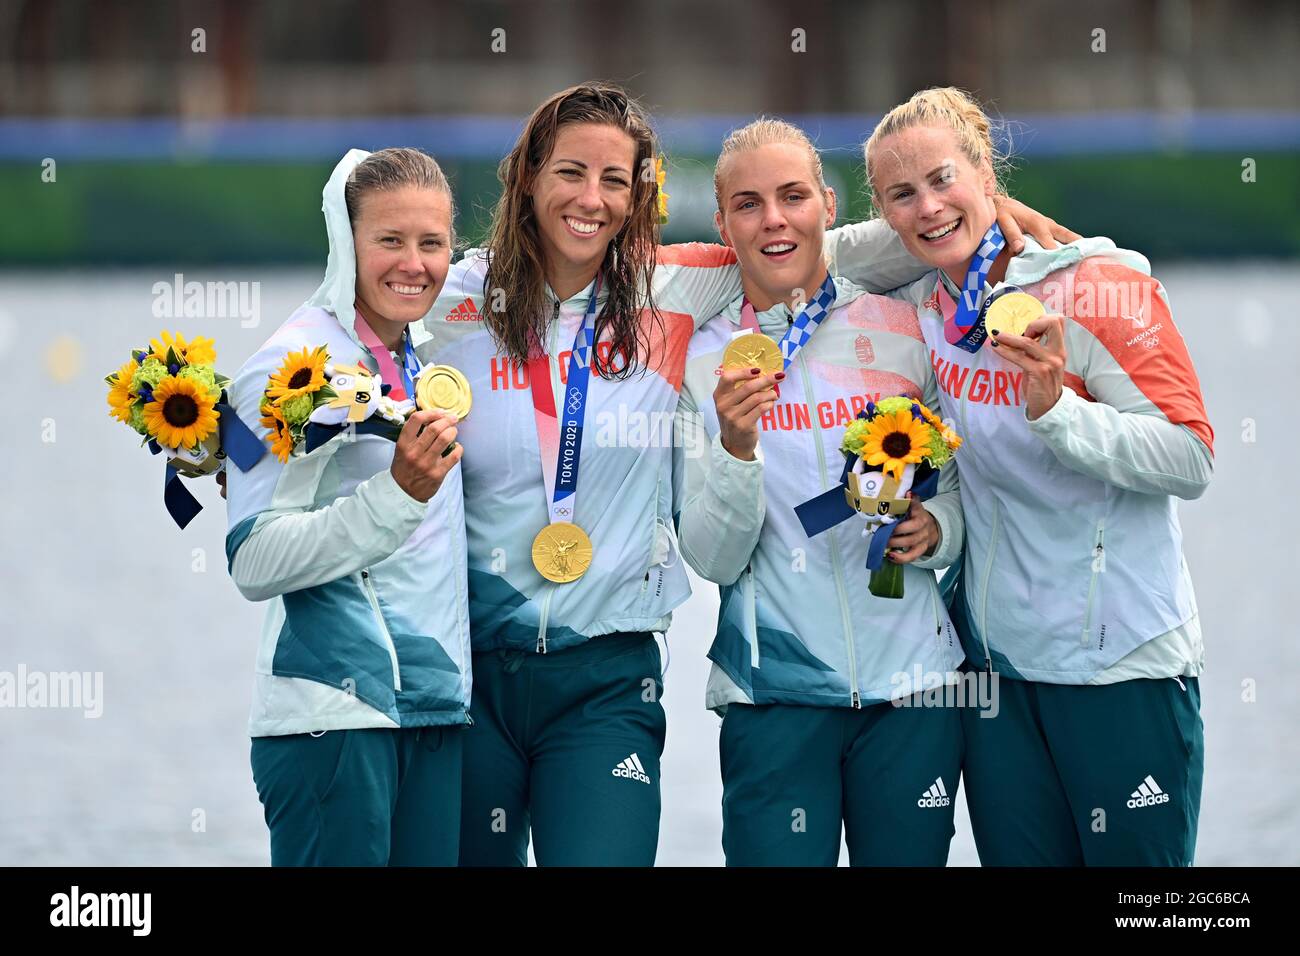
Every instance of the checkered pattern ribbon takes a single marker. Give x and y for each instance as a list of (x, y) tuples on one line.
[(804, 325), (966, 331), (410, 366)]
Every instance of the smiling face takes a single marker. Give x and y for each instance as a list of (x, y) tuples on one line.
[(775, 216), (582, 196), (403, 245), (934, 198)]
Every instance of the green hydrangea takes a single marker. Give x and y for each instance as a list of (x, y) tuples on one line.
[(855, 436), (137, 418), (297, 410), (204, 375), (939, 451), (895, 404), (150, 373)]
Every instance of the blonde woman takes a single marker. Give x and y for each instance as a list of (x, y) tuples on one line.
[(819, 734), (1081, 435)]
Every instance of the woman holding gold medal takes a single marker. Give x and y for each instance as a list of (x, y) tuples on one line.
[(806, 661), (363, 676), (571, 328), (1082, 427)]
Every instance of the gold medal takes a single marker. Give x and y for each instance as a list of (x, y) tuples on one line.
[(562, 552), (753, 350), (1012, 313), (443, 388)]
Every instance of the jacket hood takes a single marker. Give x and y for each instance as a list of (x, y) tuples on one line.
[(1036, 263), (338, 290)]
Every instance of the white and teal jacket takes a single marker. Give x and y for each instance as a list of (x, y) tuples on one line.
[(1074, 571), (625, 483), (797, 624), (368, 623)]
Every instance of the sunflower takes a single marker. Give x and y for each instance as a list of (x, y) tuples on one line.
[(181, 414), (946, 434), (301, 374), (120, 396), (895, 439), (280, 437), (662, 201), (199, 352)]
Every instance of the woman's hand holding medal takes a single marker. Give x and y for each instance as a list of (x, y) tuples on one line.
[(742, 397), (422, 460), (1041, 353)]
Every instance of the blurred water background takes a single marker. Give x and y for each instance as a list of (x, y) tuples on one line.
[(97, 578)]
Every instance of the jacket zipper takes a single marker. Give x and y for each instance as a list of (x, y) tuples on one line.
[(751, 622), (1098, 554), (993, 542), (934, 607), (369, 588), (988, 572), (550, 588), (975, 363), (846, 621), (654, 542)]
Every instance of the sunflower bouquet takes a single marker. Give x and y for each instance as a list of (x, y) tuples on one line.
[(309, 399), (168, 394), (173, 397), (894, 447)]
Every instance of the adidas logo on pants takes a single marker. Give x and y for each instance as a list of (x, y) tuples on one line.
[(632, 769), (1148, 794), (936, 796)]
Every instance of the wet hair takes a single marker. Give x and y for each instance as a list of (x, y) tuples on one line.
[(516, 264), (944, 106), (765, 131), (393, 169)]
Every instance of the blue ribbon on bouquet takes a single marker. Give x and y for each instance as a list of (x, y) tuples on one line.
[(831, 507), (237, 442), (316, 434)]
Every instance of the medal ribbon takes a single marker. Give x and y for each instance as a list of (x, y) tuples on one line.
[(403, 382), (963, 326), (804, 325), (560, 435)]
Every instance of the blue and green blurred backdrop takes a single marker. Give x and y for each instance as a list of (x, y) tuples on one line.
[(201, 132)]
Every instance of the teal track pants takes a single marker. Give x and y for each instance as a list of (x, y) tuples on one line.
[(362, 797), (1105, 775), (793, 776), (565, 745)]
